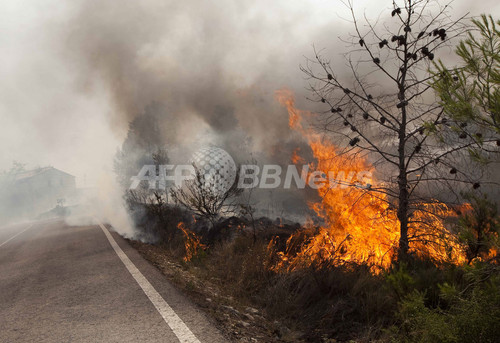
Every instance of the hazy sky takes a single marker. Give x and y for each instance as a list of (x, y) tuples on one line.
[(61, 97)]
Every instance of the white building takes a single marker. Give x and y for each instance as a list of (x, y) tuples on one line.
[(32, 192)]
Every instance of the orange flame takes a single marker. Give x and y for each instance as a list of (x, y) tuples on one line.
[(361, 225), (192, 243), (296, 158)]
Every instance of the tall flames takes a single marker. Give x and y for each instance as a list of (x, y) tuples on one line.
[(361, 226)]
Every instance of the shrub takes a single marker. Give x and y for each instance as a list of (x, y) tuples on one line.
[(472, 314)]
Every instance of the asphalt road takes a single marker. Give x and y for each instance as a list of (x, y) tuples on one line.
[(61, 283)]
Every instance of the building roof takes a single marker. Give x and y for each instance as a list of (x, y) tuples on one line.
[(34, 172)]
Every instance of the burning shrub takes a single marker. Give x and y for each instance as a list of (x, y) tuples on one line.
[(192, 243), (479, 229)]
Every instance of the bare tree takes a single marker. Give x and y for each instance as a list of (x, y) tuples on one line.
[(151, 197), (205, 201), (248, 207), (247, 210), (386, 110), (155, 201)]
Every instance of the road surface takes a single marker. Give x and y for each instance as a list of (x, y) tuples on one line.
[(61, 283)]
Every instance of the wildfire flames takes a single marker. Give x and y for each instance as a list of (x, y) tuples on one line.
[(361, 225), (192, 242)]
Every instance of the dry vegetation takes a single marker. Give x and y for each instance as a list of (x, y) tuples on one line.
[(235, 279)]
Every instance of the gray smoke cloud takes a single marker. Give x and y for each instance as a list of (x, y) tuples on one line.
[(75, 74), (214, 67)]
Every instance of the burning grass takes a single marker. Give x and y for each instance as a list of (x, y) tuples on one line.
[(320, 297), (192, 243), (322, 302)]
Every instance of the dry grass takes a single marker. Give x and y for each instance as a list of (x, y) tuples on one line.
[(309, 305)]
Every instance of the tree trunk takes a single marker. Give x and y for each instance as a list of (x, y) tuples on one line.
[(403, 194), (403, 217)]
